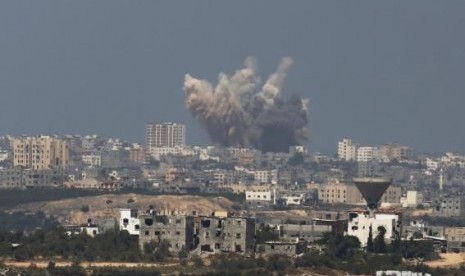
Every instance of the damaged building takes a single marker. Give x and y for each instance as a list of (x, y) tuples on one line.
[(226, 234), (176, 229), (290, 248)]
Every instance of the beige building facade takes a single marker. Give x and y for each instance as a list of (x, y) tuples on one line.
[(339, 193), (41, 153), (343, 193)]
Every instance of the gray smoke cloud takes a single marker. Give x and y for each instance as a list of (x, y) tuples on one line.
[(240, 112)]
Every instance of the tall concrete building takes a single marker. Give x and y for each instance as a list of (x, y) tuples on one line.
[(165, 135), (346, 150), (41, 153)]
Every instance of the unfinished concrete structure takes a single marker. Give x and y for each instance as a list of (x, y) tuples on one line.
[(309, 232), (290, 248), (176, 229), (226, 234)]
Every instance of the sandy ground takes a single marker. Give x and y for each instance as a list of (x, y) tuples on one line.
[(44, 264), (448, 259), (68, 211)]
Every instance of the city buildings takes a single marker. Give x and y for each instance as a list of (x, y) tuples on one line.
[(41, 153), (335, 192), (261, 196), (165, 135), (450, 206), (346, 150), (20, 178), (366, 154), (455, 237)]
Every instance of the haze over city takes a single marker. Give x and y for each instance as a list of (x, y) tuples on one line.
[(373, 71)]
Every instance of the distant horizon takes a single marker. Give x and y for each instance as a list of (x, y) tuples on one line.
[(373, 71), (311, 150)]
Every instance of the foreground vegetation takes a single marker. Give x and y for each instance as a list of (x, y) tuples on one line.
[(342, 253)]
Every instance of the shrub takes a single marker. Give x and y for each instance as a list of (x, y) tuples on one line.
[(85, 208)]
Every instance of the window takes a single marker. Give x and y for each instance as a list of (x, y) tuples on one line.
[(238, 235)]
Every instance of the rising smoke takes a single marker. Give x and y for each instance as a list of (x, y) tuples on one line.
[(238, 112)]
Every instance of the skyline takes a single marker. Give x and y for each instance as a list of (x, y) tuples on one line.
[(374, 72)]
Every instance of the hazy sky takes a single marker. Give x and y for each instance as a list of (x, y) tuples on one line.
[(375, 71)]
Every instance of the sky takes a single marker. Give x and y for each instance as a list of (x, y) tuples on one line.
[(374, 71)]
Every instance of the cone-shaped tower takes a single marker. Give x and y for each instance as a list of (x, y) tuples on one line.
[(372, 189)]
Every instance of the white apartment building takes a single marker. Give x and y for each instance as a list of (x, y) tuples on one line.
[(412, 199), (129, 221), (294, 199), (3, 155), (346, 150), (165, 135), (266, 176), (157, 152), (359, 225), (93, 160), (432, 165), (366, 154), (260, 197)]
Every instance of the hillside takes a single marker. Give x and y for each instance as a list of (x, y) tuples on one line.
[(68, 211)]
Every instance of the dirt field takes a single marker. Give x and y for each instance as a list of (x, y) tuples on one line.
[(448, 259), (68, 211)]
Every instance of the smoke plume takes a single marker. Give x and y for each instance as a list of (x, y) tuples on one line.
[(240, 112)]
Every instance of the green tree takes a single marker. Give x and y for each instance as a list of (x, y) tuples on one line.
[(198, 262), (85, 208), (379, 242), (370, 247), (278, 262)]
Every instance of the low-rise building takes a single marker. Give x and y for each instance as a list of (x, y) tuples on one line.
[(308, 232), (289, 248), (19, 177), (175, 229), (259, 198), (412, 199), (294, 198), (129, 221), (335, 192), (226, 234), (450, 206), (455, 237), (361, 223), (265, 176), (94, 160)]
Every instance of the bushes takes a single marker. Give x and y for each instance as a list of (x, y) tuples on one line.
[(85, 208), (109, 246), (278, 262)]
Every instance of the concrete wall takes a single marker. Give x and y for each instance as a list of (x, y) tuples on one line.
[(177, 230)]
